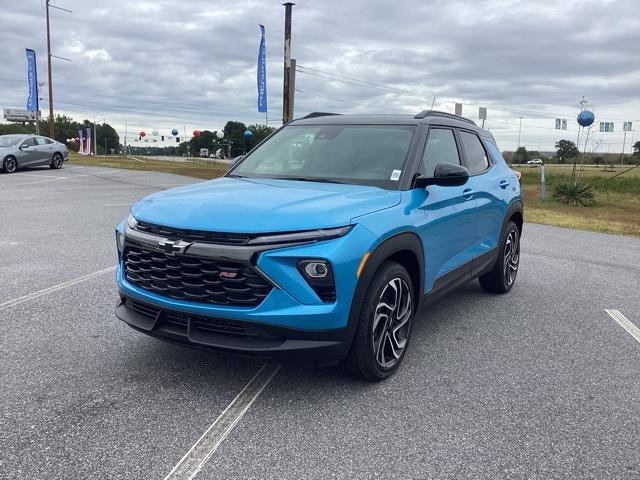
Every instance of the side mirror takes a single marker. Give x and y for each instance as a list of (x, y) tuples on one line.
[(234, 161), (445, 175)]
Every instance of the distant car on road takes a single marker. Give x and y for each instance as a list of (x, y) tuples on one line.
[(535, 162), (17, 151)]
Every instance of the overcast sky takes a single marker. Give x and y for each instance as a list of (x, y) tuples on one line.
[(192, 64)]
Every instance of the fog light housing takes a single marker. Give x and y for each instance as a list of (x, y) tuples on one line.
[(319, 276)]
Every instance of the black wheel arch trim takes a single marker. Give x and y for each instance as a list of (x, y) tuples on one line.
[(390, 246), (515, 207)]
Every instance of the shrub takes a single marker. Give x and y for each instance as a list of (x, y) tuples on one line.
[(575, 194)]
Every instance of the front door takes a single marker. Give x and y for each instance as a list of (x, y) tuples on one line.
[(448, 231), (28, 153)]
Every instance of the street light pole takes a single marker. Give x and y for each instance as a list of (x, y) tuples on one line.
[(519, 132), (51, 121)]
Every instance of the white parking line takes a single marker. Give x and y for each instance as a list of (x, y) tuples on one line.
[(625, 323), (60, 286), (189, 466), (37, 175)]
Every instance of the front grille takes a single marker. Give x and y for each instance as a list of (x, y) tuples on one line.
[(178, 322), (194, 235), (192, 278)]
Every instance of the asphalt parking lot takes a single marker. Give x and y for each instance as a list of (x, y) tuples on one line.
[(540, 383)]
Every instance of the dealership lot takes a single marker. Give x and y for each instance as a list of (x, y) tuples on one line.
[(540, 383)]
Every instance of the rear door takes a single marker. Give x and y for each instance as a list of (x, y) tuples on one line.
[(44, 149), (448, 233), (487, 185)]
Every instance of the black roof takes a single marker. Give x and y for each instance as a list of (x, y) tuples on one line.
[(431, 117)]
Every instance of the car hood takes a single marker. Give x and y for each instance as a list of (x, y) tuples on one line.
[(262, 205)]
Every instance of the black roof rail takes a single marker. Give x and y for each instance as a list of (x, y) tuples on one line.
[(319, 114), (436, 113)]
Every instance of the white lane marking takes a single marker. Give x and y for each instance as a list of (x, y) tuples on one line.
[(55, 179), (625, 323), (36, 175), (60, 286), (189, 466), (136, 159)]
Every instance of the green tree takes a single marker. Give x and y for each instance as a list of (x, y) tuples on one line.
[(566, 150), (521, 155), (260, 132), (234, 132)]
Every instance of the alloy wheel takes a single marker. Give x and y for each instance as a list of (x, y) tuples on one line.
[(392, 322), (10, 165), (511, 257), (57, 161)]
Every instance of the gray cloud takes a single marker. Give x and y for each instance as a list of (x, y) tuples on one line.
[(160, 64)]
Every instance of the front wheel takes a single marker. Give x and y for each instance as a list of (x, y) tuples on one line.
[(503, 275), (10, 165), (56, 161), (384, 327)]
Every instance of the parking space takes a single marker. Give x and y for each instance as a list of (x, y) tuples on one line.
[(540, 383)]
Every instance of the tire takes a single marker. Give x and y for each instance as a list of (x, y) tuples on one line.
[(56, 161), (503, 275), (10, 165), (379, 346)]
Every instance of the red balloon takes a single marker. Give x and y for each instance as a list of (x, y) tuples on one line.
[(196, 133), (142, 134)]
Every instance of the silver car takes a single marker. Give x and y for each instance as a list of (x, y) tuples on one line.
[(17, 151)]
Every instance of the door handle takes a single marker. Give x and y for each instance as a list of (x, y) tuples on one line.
[(467, 193), (504, 184)]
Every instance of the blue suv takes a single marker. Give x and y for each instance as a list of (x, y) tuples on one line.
[(324, 241)]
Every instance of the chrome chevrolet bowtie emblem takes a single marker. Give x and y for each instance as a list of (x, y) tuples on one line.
[(171, 247)]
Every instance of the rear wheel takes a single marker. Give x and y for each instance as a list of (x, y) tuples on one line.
[(386, 317), (10, 164), (56, 161), (503, 275)]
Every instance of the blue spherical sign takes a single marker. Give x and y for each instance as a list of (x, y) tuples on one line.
[(174, 132), (585, 118), (248, 134)]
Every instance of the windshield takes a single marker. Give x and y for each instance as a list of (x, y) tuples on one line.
[(356, 154), (9, 141)]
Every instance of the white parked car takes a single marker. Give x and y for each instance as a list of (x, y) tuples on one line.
[(535, 162)]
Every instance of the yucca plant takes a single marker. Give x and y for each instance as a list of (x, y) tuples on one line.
[(575, 193)]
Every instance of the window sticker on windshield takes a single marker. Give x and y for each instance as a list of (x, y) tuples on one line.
[(395, 175)]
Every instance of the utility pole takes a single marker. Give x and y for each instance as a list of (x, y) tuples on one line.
[(49, 55), (286, 93), (519, 132), (51, 126)]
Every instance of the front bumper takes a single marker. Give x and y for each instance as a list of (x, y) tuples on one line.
[(291, 322), (232, 336)]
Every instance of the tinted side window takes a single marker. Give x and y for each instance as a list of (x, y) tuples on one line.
[(29, 142), (474, 152), (441, 148)]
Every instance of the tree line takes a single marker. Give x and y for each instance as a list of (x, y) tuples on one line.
[(233, 143), (567, 152)]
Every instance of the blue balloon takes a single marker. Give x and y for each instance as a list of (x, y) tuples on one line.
[(174, 132), (585, 118), (248, 134)]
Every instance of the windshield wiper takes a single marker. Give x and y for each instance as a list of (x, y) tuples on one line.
[(232, 175), (307, 179)]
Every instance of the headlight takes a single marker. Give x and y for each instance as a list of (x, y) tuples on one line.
[(306, 236), (132, 222), (319, 276)]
